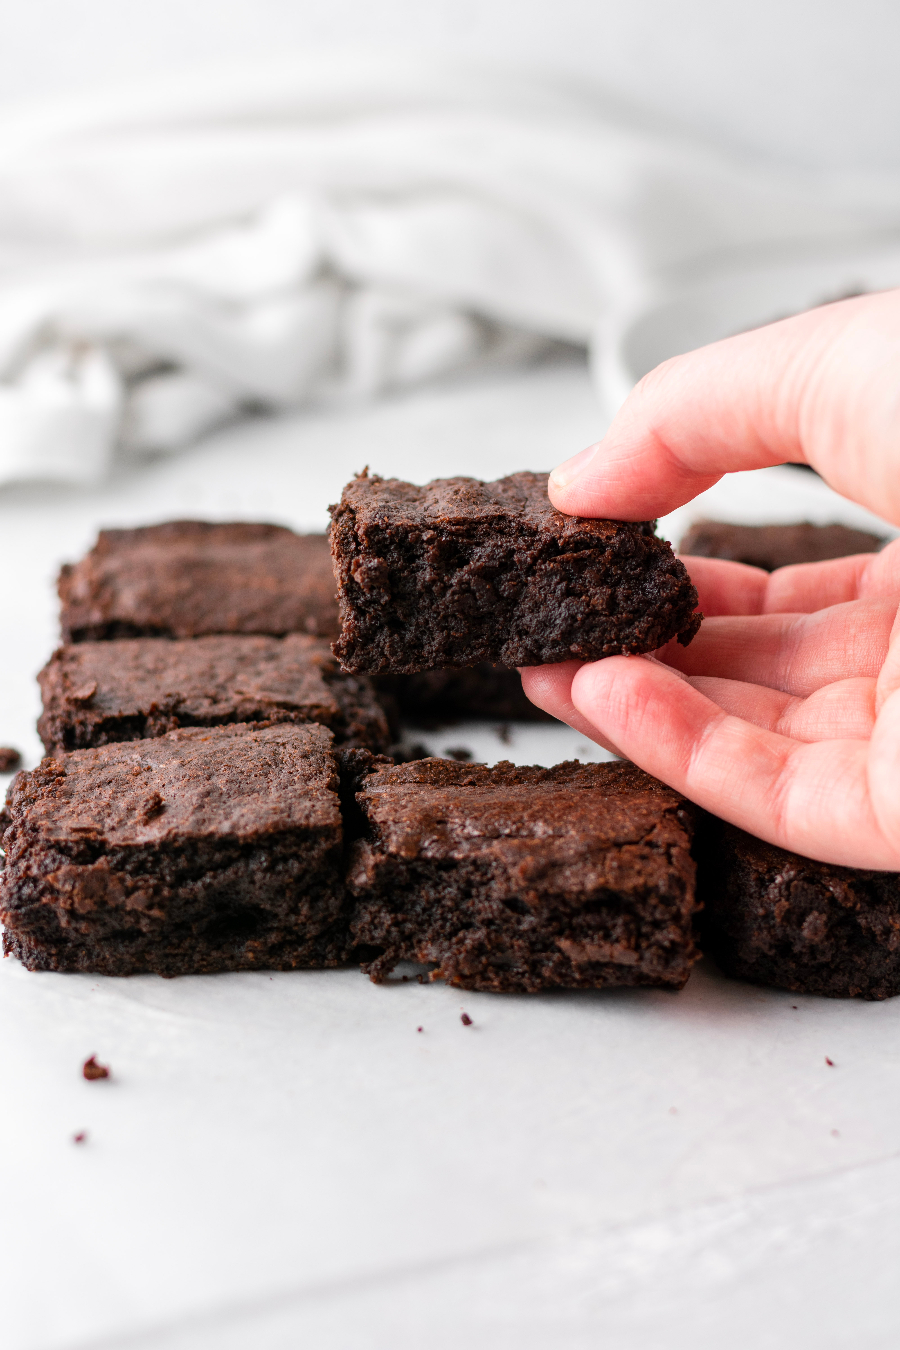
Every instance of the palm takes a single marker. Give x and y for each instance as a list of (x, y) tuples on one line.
[(784, 716)]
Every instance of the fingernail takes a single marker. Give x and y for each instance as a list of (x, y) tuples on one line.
[(568, 471)]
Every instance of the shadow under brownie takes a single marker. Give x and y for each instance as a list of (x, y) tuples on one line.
[(774, 546), (523, 879), (776, 918), (202, 850), (460, 571), (189, 578), (128, 689)]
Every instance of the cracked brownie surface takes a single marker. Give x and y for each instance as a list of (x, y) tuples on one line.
[(128, 689), (461, 571), (188, 578), (522, 879), (201, 850)]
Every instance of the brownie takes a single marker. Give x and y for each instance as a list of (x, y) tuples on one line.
[(188, 578), (205, 849), (523, 879), (461, 571), (438, 697), (777, 918), (10, 758), (132, 688), (774, 546)]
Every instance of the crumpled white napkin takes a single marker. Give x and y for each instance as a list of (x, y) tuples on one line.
[(331, 229)]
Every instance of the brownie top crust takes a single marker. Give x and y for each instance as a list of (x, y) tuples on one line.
[(568, 828), (448, 502), (234, 676), (774, 546), (233, 782), (188, 578)]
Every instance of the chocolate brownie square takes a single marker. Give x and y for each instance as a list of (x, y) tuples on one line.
[(461, 571), (131, 688), (202, 850), (188, 578), (522, 879), (774, 546), (777, 918)]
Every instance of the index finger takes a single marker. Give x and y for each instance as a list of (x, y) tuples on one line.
[(820, 388)]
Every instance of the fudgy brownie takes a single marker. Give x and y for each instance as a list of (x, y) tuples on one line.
[(461, 571), (777, 918), (188, 578), (774, 546), (202, 850), (522, 879), (131, 688)]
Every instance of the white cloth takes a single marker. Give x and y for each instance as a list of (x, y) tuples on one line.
[(298, 233)]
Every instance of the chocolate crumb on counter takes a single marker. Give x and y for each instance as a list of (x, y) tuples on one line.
[(829, 1062), (91, 1070), (465, 1019), (459, 753), (80, 1137), (10, 758)]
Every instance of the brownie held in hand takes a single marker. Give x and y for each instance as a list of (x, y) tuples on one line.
[(201, 850), (461, 571), (522, 879), (125, 690), (186, 578), (774, 546), (777, 918)]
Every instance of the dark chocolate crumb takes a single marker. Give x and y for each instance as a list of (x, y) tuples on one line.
[(92, 1070), (84, 693), (458, 752), (418, 1028), (829, 1062), (794, 1007), (503, 734), (10, 758), (466, 1020), (80, 1137)]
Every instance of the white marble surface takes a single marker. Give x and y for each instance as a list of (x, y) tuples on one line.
[(283, 1161)]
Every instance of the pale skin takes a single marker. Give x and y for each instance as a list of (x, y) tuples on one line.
[(783, 715)]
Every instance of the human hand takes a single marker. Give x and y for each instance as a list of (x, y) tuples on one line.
[(783, 715)]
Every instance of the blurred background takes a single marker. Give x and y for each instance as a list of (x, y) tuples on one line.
[(804, 81)]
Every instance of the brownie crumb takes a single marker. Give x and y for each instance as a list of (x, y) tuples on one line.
[(418, 1028), (829, 1062), (92, 1070), (465, 1019), (459, 752), (10, 758), (80, 1137)]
